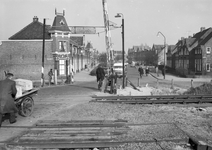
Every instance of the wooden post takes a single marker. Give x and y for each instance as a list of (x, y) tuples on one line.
[(191, 83), (138, 82), (157, 84), (126, 81), (172, 85)]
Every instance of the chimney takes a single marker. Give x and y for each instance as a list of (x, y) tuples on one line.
[(35, 19), (63, 12), (202, 28)]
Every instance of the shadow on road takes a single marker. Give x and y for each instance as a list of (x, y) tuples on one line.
[(86, 87)]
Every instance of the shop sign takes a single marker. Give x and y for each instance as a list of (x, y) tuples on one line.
[(62, 57)]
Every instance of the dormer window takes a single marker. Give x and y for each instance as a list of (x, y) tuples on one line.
[(62, 22), (62, 46), (208, 50)]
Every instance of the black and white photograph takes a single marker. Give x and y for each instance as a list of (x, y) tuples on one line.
[(105, 75)]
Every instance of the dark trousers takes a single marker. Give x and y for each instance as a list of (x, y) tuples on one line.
[(1, 119), (10, 116)]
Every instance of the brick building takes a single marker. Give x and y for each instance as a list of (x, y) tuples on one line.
[(22, 53), (193, 54)]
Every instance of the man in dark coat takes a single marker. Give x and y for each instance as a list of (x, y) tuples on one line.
[(7, 95), (141, 71), (100, 75)]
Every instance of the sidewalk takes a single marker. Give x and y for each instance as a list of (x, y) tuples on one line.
[(82, 76), (175, 78)]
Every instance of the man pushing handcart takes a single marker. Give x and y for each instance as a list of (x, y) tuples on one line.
[(16, 97)]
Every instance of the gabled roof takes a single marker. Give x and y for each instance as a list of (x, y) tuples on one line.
[(199, 37), (77, 40), (60, 24), (189, 41), (176, 47), (171, 47), (89, 45), (158, 47), (32, 31), (206, 39)]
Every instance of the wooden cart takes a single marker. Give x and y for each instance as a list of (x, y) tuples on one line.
[(25, 103)]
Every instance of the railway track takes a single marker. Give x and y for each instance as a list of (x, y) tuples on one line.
[(89, 134), (156, 99)]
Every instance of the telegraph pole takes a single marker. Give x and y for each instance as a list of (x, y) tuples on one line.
[(43, 53)]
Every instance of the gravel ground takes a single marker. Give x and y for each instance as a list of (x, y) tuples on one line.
[(191, 120)]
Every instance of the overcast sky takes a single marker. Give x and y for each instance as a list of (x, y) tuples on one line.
[(143, 18)]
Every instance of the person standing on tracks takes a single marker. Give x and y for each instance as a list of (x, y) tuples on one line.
[(141, 71), (100, 75), (7, 96)]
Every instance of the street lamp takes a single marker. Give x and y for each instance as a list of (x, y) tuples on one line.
[(164, 68), (123, 66)]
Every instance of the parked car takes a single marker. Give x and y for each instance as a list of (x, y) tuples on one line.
[(118, 68)]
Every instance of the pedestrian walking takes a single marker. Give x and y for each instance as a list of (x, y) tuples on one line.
[(163, 72), (100, 75), (147, 71), (7, 96), (50, 74), (141, 71)]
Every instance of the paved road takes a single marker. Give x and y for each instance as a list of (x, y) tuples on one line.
[(51, 100), (133, 76)]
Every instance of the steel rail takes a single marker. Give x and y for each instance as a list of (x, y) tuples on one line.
[(153, 96), (164, 99), (90, 144), (87, 126)]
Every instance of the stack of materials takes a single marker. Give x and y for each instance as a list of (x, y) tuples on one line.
[(23, 85)]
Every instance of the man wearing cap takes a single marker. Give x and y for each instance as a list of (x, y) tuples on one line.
[(100, 75), (7, 96)]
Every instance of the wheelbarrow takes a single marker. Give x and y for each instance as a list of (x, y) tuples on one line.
[(25, 102)]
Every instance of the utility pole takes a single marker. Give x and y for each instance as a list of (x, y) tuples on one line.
[(43, 53)]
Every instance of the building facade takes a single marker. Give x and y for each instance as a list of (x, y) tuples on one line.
[(63, 52), (192, 55)]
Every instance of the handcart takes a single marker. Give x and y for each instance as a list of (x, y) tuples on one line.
[(25, 102)]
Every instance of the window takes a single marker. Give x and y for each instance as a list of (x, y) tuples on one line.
[(208, 67), (62, 46), (198, 64), (62, 67), (208, 50), (186, 52)]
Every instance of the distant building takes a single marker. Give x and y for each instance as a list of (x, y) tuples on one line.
[(138, 53), (159, 50), (194, 53)]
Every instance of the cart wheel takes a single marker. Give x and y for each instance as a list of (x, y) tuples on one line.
[(27, 106)]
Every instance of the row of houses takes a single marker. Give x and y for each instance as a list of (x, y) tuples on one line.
[(189, 56), (193, 54), (23, 53)]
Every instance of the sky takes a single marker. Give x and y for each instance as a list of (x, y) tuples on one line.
[(143, 19)]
